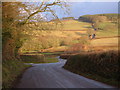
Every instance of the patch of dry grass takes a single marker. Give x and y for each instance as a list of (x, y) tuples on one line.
[(75, 25), (104, 41), (55, 49), (104, 44)]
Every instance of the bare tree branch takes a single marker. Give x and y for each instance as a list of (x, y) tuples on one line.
[(41, 5), (44, 9)]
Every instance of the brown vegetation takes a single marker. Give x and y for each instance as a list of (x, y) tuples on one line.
[(76, 48), (102, 64)]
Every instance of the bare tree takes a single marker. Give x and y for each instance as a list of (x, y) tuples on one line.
[(17, 14), (31, 9)]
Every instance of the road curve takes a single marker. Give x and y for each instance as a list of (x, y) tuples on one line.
[(52, 75)]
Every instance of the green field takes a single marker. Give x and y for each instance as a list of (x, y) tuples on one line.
[(39, 58), (75, 25)]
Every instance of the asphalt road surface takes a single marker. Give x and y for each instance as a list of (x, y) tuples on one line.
[(52, 75)]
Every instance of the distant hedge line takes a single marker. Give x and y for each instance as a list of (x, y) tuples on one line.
[(99, 17)]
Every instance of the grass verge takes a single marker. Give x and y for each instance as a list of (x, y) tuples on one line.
[(32, 58), (52, 53), (42, 58), (50, 60), (11, 70)]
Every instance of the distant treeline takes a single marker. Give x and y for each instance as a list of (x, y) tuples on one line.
[(99, 18), (67, 18), (64, 18)]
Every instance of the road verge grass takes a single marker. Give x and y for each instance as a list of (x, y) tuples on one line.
[(32, 58), (47, 57), (11, 70)]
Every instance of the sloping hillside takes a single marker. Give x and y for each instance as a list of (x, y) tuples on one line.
[(67, 32)]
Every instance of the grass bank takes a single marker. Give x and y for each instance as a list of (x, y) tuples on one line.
[(102, 66), (11, 70), (32, 58)]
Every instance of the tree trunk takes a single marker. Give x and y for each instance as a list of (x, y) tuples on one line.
[(8, 49)]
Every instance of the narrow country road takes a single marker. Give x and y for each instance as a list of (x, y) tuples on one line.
[(52, 75)]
